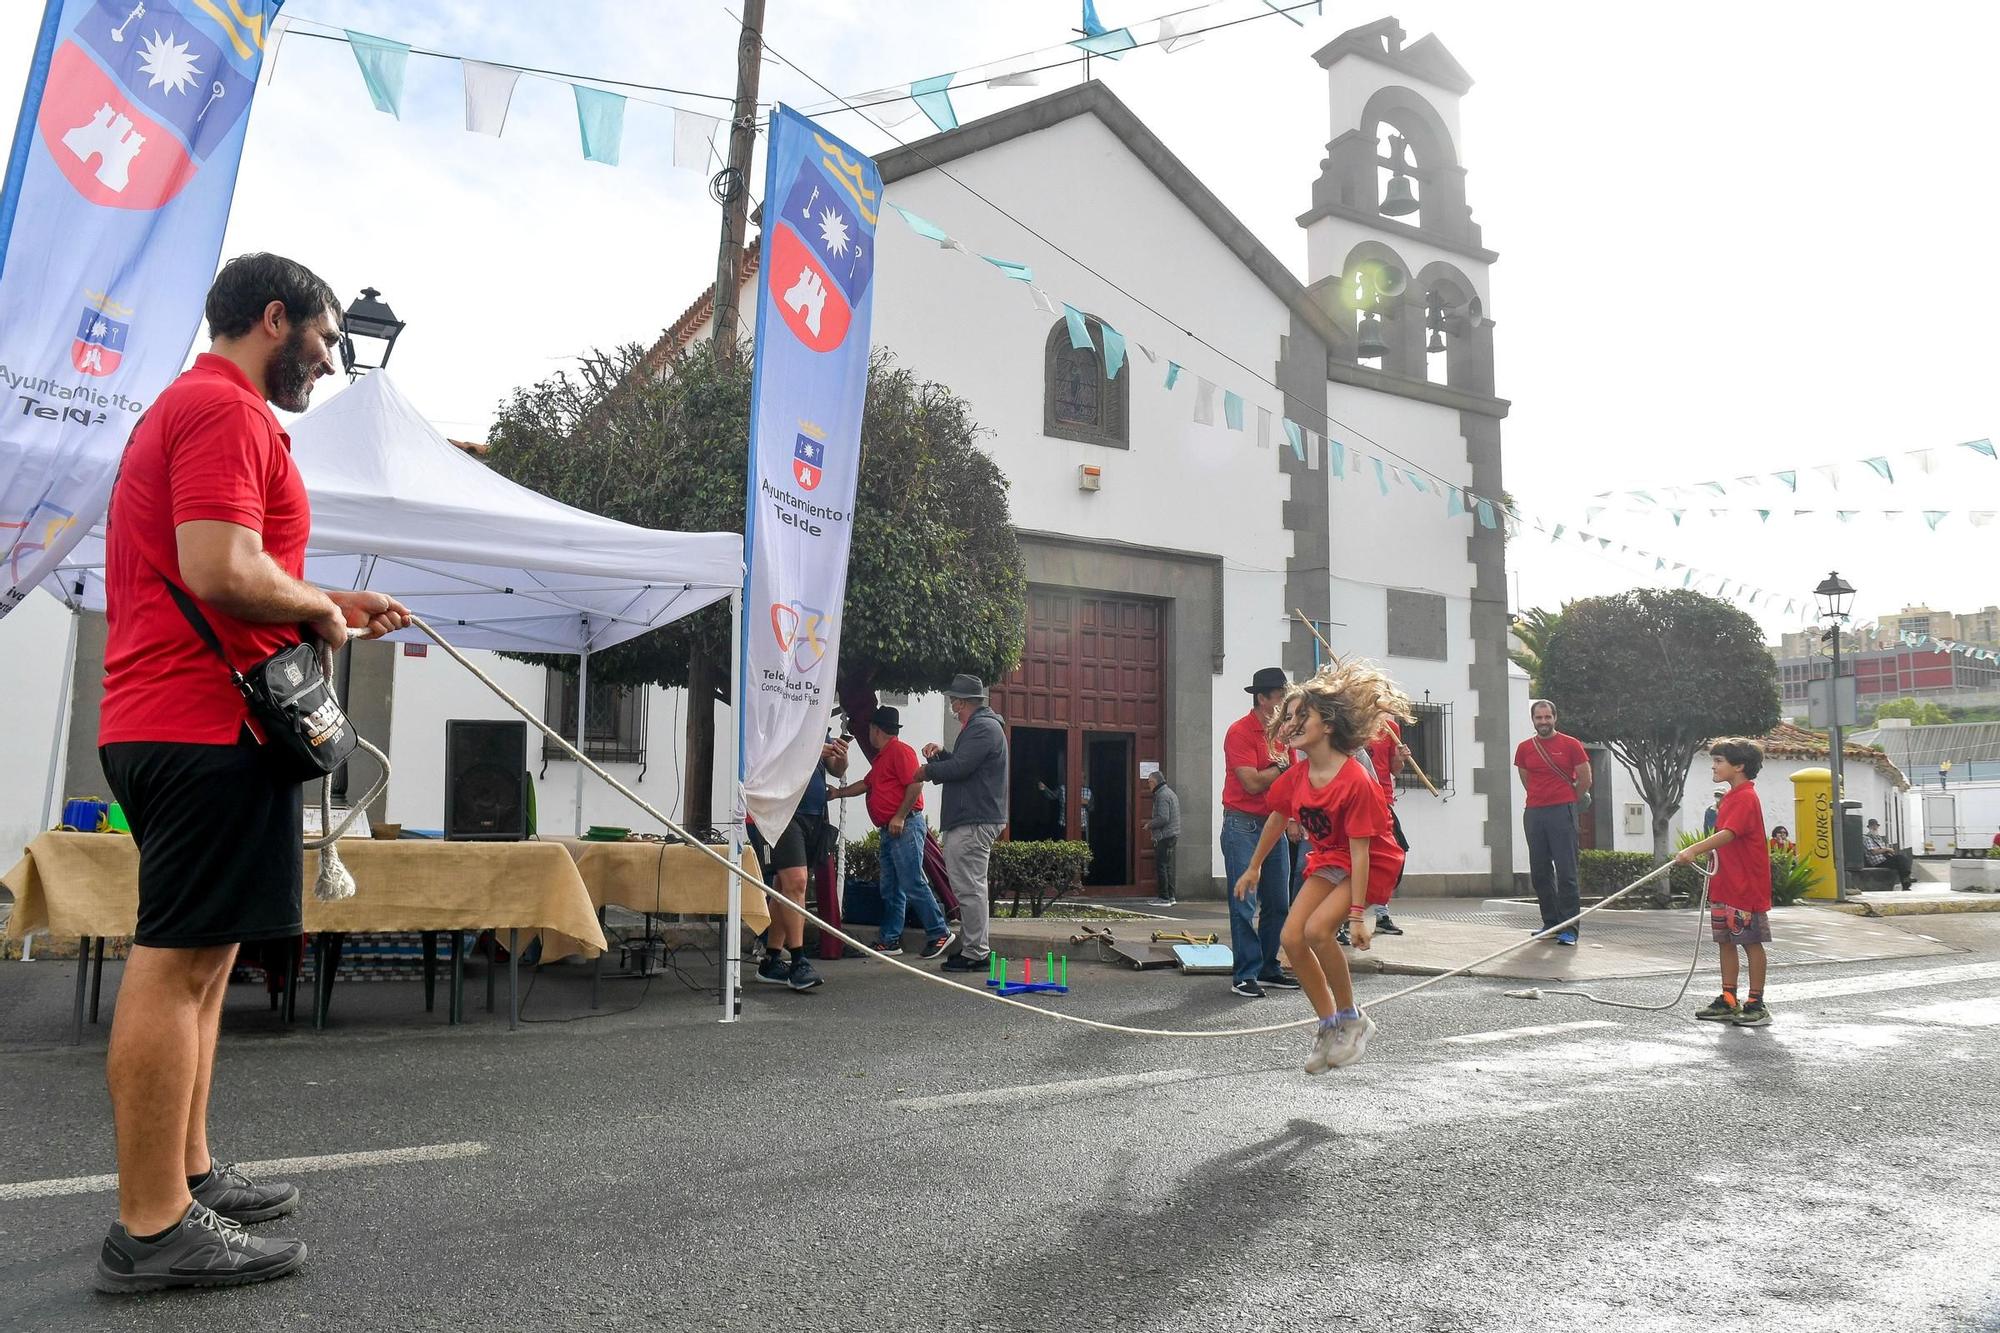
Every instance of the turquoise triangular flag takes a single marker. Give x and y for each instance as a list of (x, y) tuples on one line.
[(930, 96), (601, 117), (1935, 517), (1107, 44), (1018, 272), (1079, 332), (1603, 542), (1715, 486), (1659, 563), (1173, 372), (1979, 447), (1297, 437), (1418, 482), (1454, 502), (1114, 351), (1641, 495), (1881, 466), (1844, 514), (1687, 580), (1677, 515), (1381, 479), (1232, 409), (1486, 519), (1764, 514), (381, 62), (1791, 480), (930, 231), (1336, 457)]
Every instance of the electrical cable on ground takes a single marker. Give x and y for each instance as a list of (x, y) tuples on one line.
[(937, 979)]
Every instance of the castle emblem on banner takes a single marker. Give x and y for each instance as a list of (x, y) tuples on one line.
[(139, 94), (99, 344), (823, 249)]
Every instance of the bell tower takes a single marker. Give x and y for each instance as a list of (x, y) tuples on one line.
[(1392, 252)]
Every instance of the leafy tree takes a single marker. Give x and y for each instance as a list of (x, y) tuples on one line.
[(1653, 675), (1532, 630), (1920, 712), (935, 581)]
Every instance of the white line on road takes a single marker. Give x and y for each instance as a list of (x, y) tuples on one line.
[(1041, 1092), (1785, 993), (1540, 1030), (283, 1166), (1981, 1013)]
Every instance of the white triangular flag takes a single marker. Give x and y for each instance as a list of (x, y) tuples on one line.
[(1204, 401), (1312, 451), (694, 139), (488, 91), (887, 107), (1831, 472), (1041, 299), (1926, 459), (273, 43), (1174, 34), (1980, 517), (1263, 428), (1027, 78)]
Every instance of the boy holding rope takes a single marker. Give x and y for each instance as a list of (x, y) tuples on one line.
[(1739, 894), (1354, 860)]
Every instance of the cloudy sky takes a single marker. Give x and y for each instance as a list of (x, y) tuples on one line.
[(1734, 238)]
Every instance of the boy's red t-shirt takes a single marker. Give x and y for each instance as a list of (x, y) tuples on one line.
[(1348, 807), (894, 769), (208, 448), (1743, 864)]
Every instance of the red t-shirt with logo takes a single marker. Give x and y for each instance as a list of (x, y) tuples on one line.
[(1348, 807), (208, 448), (1382, 757), (894, 769), (1743, 864), (1246, 745), (1546, 785)]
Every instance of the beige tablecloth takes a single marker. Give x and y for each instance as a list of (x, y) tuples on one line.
[(74, 884), (661, 878)]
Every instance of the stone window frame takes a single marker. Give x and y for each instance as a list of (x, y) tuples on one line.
[(1114, 395)]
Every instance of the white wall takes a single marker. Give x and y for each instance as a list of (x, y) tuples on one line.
[(33, 640), (1864, 783)]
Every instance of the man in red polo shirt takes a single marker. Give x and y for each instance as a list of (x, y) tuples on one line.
[(1250, 764), (1556, 772), (209, 501)]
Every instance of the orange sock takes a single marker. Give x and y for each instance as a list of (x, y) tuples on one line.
[(1729, 994)]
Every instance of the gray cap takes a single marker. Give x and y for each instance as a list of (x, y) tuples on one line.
[(967, 687)]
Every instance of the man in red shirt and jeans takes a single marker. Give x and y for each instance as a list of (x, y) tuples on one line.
[(1556, 772), (896, 804), (209, 500), (1251, 762)]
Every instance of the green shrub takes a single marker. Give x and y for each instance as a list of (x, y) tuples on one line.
[(1791, 878), (1601, 873), (1035, 873)]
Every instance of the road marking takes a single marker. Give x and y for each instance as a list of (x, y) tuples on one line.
[(1041, 1092), (1981, 1013), (283, 1166), (1784, 993), (1540, 1030)]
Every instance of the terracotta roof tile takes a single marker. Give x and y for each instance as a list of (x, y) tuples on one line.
[(1786, 741)]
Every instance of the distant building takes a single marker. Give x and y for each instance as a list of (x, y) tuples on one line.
[(1882, 674), (1981, 627)]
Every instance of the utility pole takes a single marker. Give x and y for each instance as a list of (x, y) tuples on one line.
[(731, 188), (706, 679)]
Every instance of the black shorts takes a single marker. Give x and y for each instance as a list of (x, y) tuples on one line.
[(789, 854), (221, 842)]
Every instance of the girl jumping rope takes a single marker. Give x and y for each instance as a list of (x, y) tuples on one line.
[(1340, 805)]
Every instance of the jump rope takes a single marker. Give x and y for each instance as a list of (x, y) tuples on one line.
[(1053, 1015)]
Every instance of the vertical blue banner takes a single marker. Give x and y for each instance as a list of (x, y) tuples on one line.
[(117, 192), (814, 295)]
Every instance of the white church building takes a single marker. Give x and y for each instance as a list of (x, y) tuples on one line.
[(1165, 556)]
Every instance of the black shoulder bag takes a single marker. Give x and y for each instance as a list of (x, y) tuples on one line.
[(306, 735)]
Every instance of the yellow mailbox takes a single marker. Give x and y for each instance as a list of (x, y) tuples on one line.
[(1812, 811)]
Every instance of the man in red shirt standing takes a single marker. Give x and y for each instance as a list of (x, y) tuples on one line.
[(896, 805), (209, 501), (1556, 772), (1250, 764)]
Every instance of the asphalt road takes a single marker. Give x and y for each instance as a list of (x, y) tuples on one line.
[(875, 1156)]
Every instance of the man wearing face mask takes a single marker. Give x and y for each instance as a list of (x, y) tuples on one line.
[(209, 503)]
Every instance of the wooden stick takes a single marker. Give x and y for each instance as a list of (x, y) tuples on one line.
[(1417, 768)]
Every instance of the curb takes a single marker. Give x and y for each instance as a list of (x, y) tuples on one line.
[(1952, 908)]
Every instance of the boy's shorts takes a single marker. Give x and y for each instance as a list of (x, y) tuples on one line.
[(1733, 925)]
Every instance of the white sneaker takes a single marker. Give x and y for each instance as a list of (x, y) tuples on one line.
[(1349, 1039), (1321, 1058)]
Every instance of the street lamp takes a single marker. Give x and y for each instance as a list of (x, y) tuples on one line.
[(1835, 597), (374, 322)]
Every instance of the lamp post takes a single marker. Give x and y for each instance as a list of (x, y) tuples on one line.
[(1836, 599), (374, 322)]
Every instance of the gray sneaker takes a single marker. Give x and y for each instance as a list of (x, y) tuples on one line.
[(240, 1199), (1347, 1040), (1321, 1058), (803, 975), (205, 1250)]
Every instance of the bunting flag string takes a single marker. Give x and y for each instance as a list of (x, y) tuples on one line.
[(1911, 639), (1925, 461)]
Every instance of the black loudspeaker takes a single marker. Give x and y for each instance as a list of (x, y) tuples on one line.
[(485, 777)]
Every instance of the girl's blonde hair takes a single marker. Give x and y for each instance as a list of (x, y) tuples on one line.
[(1351, 698)]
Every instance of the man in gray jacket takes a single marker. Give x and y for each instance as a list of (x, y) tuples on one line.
[(973, 813), (1165, 826)]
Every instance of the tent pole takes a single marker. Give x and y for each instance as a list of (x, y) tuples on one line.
[(732, 944), (60, 741), (582, 703)]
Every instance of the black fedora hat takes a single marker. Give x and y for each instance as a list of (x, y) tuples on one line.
[(1266, 680), (888, 719)]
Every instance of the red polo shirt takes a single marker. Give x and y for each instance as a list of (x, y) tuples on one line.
[(894, 769), (1246, 745), (1549, 781), (208, 448)]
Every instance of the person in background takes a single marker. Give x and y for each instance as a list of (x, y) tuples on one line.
[(1708, 815), (1251, 762), (1556, 772), (974, 775), (896, 805), (1165, 826), (787, 863), (1781, 840), (1877, 850)]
